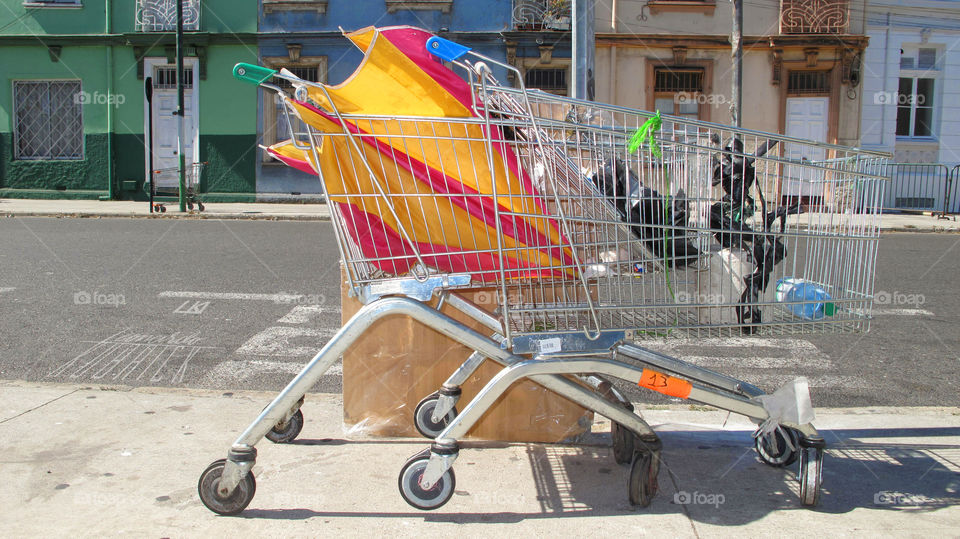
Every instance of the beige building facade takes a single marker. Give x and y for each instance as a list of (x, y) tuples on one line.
[(801, 62)]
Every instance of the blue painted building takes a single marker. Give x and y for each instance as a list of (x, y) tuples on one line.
[(305, 36)]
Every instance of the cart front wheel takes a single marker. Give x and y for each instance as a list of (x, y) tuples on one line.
[(284, 434), (200, 206), (423, 417), (622, 443), (233, 504), (643, 477), (779, 448), (419, 497), (811, 475)]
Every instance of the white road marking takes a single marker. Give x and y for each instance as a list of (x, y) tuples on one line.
[(197, 308), (276, 298), (240, 371), (901, 312), (7, 289), (275, 341), (303, 314)]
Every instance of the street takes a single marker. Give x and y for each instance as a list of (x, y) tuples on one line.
[(232, 305)]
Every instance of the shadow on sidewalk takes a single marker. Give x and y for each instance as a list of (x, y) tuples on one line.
[(717, 472)]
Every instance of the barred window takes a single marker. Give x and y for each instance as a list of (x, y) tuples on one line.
[(276, 127), (165, 78), (551, 80), (808, 83), (48, 120), (669, 79)]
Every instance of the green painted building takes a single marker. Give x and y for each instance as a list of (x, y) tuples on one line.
[(73, 111)]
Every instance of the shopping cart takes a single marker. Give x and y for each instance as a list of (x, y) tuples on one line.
[(599, 226), (166, 185)]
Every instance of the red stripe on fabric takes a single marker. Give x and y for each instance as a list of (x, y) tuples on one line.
[(298, 164), (389, 252), (412, 42), (479, 207)]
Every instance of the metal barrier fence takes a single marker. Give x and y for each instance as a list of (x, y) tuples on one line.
[(922, 187)]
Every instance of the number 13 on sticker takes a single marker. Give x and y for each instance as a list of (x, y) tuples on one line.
[(662, 383)]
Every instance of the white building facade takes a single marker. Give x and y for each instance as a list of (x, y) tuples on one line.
[(911, 96)]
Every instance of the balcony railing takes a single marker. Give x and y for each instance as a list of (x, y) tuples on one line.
[(161, 15), (814, 16), (541, 14)]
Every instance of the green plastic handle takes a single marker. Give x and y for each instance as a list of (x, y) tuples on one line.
[(252, 73)]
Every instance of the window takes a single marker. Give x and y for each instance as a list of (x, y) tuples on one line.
[(161, 15), (48, 121), (915, 107), (276, 128), (553, 80), (679, 91), (427, 5), (165, 78), (800, 83), (53, 3)]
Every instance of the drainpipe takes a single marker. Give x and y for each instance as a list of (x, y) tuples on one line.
[(613, 54), (108, 30)]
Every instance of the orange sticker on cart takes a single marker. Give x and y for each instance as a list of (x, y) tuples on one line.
[(662, 383)]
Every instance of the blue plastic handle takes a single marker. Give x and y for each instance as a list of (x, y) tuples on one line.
[(446, 49)]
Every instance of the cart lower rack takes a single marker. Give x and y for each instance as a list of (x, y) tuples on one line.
[(599, 226)]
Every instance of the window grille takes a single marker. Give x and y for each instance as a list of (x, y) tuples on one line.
[(678, 80), (48, 119), (808, 83)]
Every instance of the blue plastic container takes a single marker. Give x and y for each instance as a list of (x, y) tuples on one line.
[(803, 299)]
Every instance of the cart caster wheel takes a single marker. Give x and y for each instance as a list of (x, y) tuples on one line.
[(232, 504), (190, 206), (417, 496), (811, 474), (289, 432), (423, 417), (163, 209), (773, 449), (643, 477), (200, 206), (623, 445)]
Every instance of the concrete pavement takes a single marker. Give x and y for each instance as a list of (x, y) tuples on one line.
[(891, 222), (91, 461)]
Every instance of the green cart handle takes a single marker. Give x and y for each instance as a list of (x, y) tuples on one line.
[(253, 73)]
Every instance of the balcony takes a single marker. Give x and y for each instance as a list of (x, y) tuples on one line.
[(161, 15), (814, 16), (541, 15)]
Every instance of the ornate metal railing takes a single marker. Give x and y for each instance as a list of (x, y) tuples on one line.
[(814, 16), (161, 15), (541, 14)]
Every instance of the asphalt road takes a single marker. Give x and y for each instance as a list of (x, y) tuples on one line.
[(243, 304)]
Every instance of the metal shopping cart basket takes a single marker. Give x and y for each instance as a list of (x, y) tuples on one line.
[(166, 186), (600, 227)]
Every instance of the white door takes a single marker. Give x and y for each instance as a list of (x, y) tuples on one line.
[(165, 122), (806, 119)]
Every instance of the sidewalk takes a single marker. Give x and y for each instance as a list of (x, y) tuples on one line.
[(891, 222), (91, 461)]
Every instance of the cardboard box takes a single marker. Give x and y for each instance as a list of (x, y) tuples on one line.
[(399, 361)]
